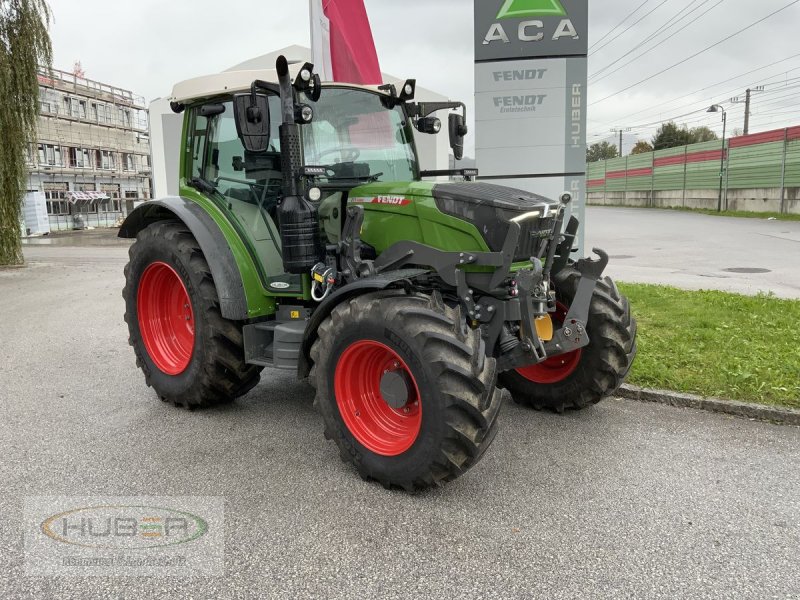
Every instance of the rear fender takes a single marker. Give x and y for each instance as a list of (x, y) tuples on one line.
[(232, 280)]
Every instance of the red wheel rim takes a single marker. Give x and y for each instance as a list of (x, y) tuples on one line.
[(556, 368), (166, 320), (357, 384)]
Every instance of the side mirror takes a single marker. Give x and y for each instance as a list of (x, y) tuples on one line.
[(252, 121), (458, 130)]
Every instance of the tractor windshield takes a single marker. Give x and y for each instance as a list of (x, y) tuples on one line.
[(356, 133)]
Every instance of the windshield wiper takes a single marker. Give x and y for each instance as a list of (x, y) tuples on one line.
[(368, 178), (204, 185)]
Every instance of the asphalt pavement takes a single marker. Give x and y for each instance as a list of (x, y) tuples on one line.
[(625, 500), (696, 251)]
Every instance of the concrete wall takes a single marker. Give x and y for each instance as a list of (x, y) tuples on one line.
[(752, 200)]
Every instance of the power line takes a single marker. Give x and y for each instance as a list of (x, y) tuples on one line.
[(628, 28), (635, 58), (650, 110), (647, 38), (618, 25), (770, 101), (696, 54)]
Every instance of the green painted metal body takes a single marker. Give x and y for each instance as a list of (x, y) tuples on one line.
[(413, 216), (386, 223)]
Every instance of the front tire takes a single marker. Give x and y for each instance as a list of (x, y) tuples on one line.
[(189, 353), (584, 377), (405, 389)]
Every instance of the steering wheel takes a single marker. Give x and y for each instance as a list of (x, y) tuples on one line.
[(353, 153)]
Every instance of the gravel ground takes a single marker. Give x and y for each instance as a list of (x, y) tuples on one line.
[(626, 500)]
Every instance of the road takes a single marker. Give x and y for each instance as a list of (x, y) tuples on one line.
[(625, 500), (695, 251)]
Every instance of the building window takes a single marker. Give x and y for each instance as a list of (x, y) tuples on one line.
[(56, 196), (114, 204), (131, 194), (82, 109), (110, 189), (106, 160), (127, 162), (78, 158), (48, 101), (50, 154), (124, 117), (100, 109)]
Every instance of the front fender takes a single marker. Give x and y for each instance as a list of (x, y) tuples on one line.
[(357, 288), (224, 268)]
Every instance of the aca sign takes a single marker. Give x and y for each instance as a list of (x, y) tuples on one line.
[(530, 28)]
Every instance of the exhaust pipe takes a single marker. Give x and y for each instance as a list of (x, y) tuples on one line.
[(297, 217)]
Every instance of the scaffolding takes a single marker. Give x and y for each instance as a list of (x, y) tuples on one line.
[(91, 138)]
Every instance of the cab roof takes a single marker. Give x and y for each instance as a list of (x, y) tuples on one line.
[(229, 82)]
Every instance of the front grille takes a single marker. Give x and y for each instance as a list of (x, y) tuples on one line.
[(533, 238), (491, 208)]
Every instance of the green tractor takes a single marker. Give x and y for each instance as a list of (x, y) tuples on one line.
[(306, 238)]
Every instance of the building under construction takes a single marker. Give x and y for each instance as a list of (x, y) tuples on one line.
[(91, 162)]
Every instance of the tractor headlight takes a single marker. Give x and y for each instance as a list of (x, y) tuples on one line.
[(408, 90), (429, 125), (304, 114)]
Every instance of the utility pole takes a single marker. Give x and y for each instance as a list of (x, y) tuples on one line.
[(620, 131), (747, 99), (748, 94), (718, 108)]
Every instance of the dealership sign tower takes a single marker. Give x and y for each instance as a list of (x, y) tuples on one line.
[(530, 95)]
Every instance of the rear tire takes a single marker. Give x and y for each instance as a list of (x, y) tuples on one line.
[(194, 364), (450, 413), (582, 378)]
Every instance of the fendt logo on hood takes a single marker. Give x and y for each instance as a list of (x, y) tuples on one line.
[(532, 30)]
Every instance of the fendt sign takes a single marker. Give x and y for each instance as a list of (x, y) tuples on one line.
[(530, 28), (530, 95)]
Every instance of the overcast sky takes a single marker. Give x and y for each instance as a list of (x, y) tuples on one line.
[(147, 45)]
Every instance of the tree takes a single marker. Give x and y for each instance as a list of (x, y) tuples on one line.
[(669, 135), (24, 48), (702, 134), (642, 147), (601, 151)]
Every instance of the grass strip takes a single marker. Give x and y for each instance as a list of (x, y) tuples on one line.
[(717, 344)]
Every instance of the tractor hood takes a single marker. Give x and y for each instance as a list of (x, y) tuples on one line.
[(486, 207)]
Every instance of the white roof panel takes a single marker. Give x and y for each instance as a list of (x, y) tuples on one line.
[(234, 81)]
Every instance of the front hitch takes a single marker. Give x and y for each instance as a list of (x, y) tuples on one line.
[(572, 335)]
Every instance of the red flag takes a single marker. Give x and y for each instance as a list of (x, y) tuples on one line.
[(341, 42)]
